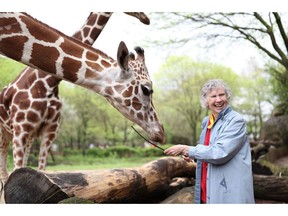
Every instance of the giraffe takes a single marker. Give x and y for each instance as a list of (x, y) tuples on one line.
[(124, 82), (48, 108)]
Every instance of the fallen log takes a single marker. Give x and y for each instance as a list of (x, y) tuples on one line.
[(138, 185), (271, 188)]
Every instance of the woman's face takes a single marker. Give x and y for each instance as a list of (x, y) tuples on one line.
[(217, 100)]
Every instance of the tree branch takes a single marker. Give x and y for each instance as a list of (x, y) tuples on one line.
[(281, 29), (269, 31)]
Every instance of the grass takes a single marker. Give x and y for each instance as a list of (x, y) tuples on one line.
[(79, 162), (103, 163)]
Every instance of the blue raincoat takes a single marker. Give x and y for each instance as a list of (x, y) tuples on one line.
[(229, 170)]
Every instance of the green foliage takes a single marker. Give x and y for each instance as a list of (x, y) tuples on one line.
[(279, 83), (9, 69), (153, 151), (126, 152)]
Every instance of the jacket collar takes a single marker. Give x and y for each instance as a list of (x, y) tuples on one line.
[(224, 112)]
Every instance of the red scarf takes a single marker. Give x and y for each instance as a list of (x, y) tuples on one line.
[(204, 164)]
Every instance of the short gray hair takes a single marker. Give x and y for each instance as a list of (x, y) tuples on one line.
[(211, 85)]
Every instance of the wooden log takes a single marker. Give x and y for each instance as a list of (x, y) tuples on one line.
[(101, 186), (271, 188), (22, 188)]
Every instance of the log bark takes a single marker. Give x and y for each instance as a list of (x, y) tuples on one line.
[(143, 184), (271, 188)]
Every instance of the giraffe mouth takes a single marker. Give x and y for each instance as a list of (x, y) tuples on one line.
[(154, 144), (157, 137)]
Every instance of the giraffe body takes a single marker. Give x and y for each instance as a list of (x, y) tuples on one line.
[(125, 83)]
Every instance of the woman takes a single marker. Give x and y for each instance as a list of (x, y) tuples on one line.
[(224, 167)]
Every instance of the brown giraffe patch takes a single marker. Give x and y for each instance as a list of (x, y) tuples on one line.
[(47, 60), (90, 74), (136, 104), (21, 97), (86, 31), (17, 130), (127, 102), (52, 81), (91, 56), (27, 127), (9, 26), (40, 35), (105, 63), (38, 105), (30, 78), (38, 90), (95, 66), (128, 92), (102, 20), (32, 117), (12, 49), (20, 117), (70, 67), (70, 48), (24, 105), (140, 116)]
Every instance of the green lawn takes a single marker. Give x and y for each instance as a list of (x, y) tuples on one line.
[(89, 163), (107, 163)]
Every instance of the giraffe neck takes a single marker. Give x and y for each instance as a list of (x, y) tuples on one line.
[(95, 23), (33, 43), (92, 28)]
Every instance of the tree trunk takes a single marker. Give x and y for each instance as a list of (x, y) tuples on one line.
[(140, 185)]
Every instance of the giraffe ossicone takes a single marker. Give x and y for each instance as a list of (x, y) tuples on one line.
[(125, 83)]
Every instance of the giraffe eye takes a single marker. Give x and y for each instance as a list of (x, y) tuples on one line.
[(146, 91)]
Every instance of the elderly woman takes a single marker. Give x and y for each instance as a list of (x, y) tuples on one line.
[(224, 169)]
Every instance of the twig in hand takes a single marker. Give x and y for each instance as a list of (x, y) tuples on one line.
[(148, 140)]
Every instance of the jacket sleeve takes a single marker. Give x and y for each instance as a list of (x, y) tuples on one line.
[(228, 142)]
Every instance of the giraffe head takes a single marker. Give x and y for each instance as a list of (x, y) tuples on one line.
[(141, 16), (131, 90)]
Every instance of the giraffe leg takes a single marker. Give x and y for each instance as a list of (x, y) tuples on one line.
[(27, 152), (18, 149), (45, 147), (3, 163), (3, 157)]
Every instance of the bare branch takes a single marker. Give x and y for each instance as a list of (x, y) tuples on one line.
[(281, 29), (284, 60)]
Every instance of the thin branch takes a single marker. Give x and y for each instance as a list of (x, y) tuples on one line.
[(273, 40), (281, 29)]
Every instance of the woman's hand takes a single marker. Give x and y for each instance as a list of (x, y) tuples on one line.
[(178, 150)]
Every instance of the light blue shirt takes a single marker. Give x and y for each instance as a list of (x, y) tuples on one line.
[(229, 171)]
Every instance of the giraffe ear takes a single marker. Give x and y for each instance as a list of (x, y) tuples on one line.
[(123, 56)]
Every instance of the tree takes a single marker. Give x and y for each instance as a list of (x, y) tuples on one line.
[(256, 92), (264, 31), (87, 118)]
